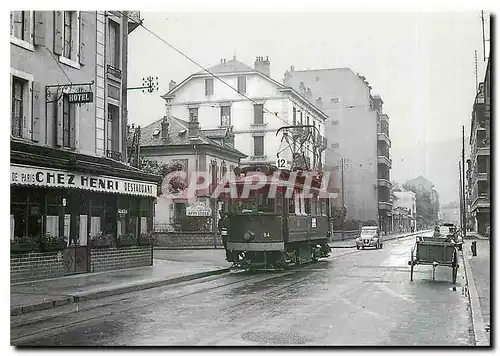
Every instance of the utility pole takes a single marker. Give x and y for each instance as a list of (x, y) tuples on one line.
[(460, 199), (463, 179), (343, 201)]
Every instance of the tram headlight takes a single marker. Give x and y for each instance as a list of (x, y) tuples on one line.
[(248, 235)]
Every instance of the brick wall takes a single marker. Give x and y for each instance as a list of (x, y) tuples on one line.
[(112, 258), (35, 265), (186, 239)]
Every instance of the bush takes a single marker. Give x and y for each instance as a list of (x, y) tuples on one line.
[(102, 240), (127, 239), (195, 223), (52, 243), (24, 244)]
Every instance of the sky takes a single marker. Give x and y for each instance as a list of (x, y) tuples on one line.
[(421, 64)]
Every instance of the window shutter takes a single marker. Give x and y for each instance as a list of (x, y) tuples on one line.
[(26, 34), (58, 33), (82, 49), (72, 127), (39, 35), (59, 122), (37, 111)]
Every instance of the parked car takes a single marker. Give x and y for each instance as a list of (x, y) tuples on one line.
[(370, 237)]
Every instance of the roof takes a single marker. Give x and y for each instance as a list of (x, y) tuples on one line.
[(178, 136), (232, 66)]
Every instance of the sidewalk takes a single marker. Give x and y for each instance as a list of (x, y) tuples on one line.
[(479, 282), (169, 267), (351, 243)]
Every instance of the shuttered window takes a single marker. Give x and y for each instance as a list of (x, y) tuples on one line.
[(258, 149), (18, 104), (66, 121), (209, 87), (258, 114), (242, 84)]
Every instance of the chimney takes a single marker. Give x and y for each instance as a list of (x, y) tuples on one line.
[(319, 102), (302, 89), (292, 68), (309, 95), (193, 129), (263, 65), (171, 85), (164, 128)]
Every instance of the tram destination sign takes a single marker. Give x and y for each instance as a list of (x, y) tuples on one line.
[(81, 97), (56, 178)]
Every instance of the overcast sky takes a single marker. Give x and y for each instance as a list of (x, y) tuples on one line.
[(421, 64)]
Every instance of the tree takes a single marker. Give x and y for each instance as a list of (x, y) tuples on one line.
[(427, 200), (176, 184)]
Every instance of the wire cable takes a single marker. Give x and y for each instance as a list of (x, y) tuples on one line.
[(141, 24)]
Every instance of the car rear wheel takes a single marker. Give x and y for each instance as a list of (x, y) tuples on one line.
[(357, 247)]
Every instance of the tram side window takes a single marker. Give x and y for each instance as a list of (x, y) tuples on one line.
[(307, 206), (291, 206)]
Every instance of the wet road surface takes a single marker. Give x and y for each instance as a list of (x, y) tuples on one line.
[(354, 298)]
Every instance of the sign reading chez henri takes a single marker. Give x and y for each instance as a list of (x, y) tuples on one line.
[(55, 178)]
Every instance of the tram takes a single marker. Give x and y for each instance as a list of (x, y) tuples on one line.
[(277, 225)]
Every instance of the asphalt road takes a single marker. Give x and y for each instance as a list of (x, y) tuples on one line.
[(354, 298)]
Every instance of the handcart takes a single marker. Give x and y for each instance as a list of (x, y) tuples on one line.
[(435, 251)]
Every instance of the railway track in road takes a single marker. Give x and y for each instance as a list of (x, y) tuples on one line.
[(54, 321)]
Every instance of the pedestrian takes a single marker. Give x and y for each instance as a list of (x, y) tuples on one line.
[(223, 226)]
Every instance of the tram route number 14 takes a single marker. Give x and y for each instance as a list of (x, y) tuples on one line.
[(282, 163)]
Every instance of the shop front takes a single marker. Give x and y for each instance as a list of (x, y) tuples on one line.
[(71, 212)]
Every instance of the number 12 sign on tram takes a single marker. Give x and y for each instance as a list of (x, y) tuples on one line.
[(283, 163)]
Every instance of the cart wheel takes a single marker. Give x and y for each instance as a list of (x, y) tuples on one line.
[(357, 247), (381, 245), (363, 247), (411, 270)]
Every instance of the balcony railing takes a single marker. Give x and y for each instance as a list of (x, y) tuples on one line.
[(117, 156), (115, 72), (384, 159), (382, 136)]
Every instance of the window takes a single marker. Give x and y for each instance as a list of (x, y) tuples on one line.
[(258, 114), (335, 122), (225, 116), (193, 115), (334, 100), (209, 87), (18, 104), (301, 121), (113, 56), (113, 127), (258, 146), (70, 35), (242, 84), (19, 25), (294, 116), (334, 145)]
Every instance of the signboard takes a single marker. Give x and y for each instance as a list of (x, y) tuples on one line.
[(282, 163), (122, 211), (313, 222), (81, 97), (198, 209), (57, 178)]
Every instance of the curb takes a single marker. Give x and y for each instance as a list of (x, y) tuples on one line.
[(480, 338), (80, 297), (388, 239), (161, 248)]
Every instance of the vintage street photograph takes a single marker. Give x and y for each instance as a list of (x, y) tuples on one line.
[(250, 177)]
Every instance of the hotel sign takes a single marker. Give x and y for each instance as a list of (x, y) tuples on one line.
[(81, 97), (56, 178)]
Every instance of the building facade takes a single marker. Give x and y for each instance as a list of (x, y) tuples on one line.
[(480, 161), (171, 140), (253, 109), (68, 73), (357, 132), (404, 211)]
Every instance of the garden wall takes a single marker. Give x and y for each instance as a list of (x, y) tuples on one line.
[(186, 239), (35, 265), (112, 258)]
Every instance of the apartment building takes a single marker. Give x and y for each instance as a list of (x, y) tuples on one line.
[(478, 173), (357, 132), (68, 81), (253, 106)]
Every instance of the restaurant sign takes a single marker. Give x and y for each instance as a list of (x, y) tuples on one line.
[(56, 178)]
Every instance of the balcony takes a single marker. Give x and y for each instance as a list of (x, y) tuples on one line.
[(383, 205), (382, 182), (481, 176), (381, 159), (384, 117), (114, 73), (382, 136), (134, 20), (482, 201), (117, 156)]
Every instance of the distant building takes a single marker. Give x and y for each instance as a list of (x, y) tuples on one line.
[(450, 213), (358, 131), (404, 211), (205, 99), (479, 167), (171, 140)]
